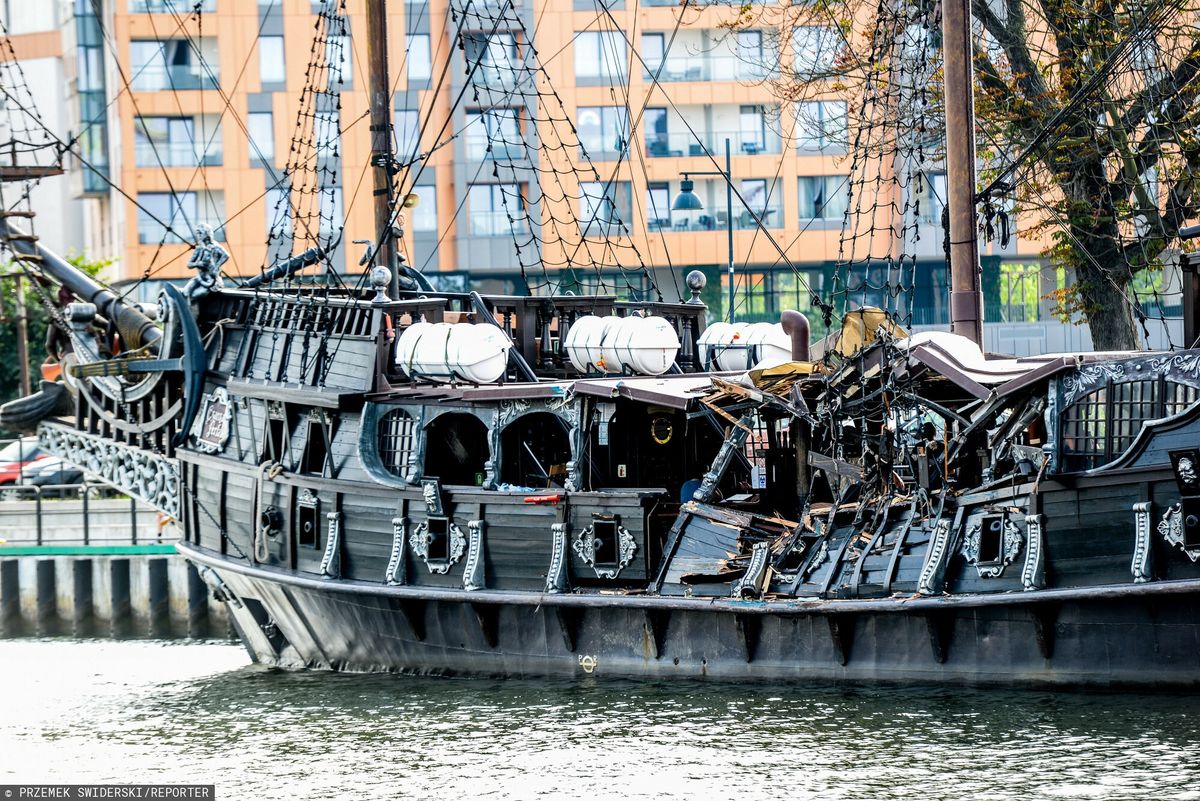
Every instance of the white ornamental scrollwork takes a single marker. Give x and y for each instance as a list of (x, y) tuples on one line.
[(422, 538), (1171, 528), (585, 546), (1010, 546), (1090, 377), (146, 476), (933, 571), (1143, 553)]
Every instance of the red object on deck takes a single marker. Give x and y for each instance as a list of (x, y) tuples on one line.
[(541, 499)]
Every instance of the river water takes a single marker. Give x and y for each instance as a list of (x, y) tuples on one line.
[(145, 712)]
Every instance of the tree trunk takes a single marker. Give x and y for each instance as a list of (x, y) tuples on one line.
[(1108, 311)]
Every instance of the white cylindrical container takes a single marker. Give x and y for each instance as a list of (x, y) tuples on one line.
[(585, 344), (453, 351), (740, 346), (722, 346), (644, 345), (769, 344)]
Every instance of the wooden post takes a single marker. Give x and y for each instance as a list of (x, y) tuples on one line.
[(22, 336), (379, 93), (966, 298), (1191, 300)]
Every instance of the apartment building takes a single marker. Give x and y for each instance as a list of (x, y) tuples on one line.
[(194, 115), (43, 63)]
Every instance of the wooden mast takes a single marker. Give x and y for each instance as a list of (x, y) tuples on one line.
[(379, 95), (966, 297)]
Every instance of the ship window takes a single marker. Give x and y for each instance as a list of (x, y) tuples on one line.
[(991, 540), (308, 521), (275, 439), (456, 449), (1101, 425), (607, 553), (316, 448), (1085, 432), (439, 539), (534, 451), (397, 442)]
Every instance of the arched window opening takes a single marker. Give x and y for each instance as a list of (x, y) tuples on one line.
[(534, 451), (1101, 425), (398, 442), (456, 449)]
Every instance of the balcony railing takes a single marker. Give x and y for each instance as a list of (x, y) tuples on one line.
[(477, 149), (718, 220), (709, 67), (712, 143), (158, 77), (176, 154), (169, 6), (496, 223)]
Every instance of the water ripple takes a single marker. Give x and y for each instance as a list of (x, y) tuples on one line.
[(96, 711)]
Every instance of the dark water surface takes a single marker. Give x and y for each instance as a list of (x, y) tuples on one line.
[(197, 713)]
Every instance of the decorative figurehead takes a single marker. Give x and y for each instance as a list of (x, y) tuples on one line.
[(206, 260)]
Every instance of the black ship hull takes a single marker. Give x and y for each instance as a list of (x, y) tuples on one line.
[(1121, 636)]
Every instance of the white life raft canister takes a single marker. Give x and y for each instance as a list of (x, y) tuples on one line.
[(477, 353), (740, 346), (643, 345)]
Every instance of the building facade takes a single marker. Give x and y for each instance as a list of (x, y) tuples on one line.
[(194, 115)]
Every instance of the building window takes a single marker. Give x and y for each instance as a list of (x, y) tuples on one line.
[(824, 197), (756, 192), (821, 125), (658, 139), (261, 127), (331, 217), (751, 58), (600, 55), (814, 49), (752, 129), (398, 443), (178, 211), (496, 209), (418, 57), (169, 142), (279, 215), (423, 216), (270, 60), (658, 207), (603, 130), (932, 198), (604, 206), (337, 62), (160, 65), (496, 56), (408, 134), (654, 52), (494, 134)]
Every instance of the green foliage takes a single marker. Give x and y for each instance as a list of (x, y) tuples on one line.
[(37, 319)]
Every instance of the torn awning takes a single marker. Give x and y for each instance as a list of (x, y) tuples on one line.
[(675, 392)]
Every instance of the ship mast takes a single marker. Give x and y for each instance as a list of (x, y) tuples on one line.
[(379, 95), (966, 297)]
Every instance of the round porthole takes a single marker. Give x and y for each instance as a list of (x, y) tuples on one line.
[(661, 429)]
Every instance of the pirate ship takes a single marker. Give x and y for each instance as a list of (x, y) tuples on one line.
[(394, 478)]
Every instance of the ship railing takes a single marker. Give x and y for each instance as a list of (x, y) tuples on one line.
[(538, 326)]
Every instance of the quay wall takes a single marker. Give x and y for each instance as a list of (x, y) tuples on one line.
[(99, 568)]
